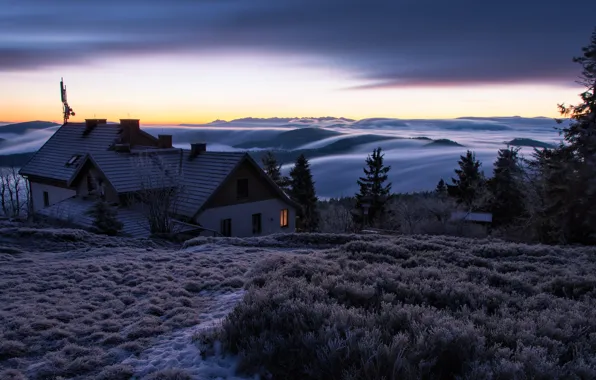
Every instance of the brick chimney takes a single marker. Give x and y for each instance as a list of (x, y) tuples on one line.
[(164, 141), (197, 148), (130, 130), (90, 125)]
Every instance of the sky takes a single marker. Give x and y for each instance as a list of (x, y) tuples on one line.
[(193, 61)]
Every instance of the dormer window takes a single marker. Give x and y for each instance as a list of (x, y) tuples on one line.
[(73, 160)]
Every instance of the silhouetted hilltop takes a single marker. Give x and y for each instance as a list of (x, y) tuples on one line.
[(20, 128), (529, 143), (291, 139), (17, 159), (442, 143)]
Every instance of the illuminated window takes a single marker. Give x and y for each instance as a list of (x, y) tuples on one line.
[(283, 218)]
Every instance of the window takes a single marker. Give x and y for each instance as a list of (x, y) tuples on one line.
[(73, 160), (256, 223), (283, 218), (242, 188), (226, 227), (46, 199), (90, 184)]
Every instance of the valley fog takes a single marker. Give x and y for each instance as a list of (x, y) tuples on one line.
[(420, 152)]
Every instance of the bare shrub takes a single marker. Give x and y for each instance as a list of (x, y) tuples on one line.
[(14, 193), (336, 218), (161, 191)]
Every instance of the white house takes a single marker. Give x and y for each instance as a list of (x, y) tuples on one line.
[(226, 192)]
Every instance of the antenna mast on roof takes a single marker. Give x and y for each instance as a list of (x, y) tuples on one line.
[(66, 110)]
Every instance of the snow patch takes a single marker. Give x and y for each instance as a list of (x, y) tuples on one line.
[(178, 351)]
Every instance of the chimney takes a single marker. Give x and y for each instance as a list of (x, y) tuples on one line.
[(130, 129), (90, 125), (164, 141), (197, 148)]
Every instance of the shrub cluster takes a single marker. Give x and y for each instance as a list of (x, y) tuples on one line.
[(419, 307)]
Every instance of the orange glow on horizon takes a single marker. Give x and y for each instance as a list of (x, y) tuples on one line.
[(196, 91)]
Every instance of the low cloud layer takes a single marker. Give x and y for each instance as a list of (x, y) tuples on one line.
[(383, 43)]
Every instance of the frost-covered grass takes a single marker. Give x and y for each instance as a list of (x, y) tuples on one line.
[(418, 307), (74, 305)]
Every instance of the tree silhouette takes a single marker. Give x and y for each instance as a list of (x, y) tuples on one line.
[(273, 170), (374, 187), (467, 187), (507, 202), (303, 192)]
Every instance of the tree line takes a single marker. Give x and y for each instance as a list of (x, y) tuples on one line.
[(548, 197)]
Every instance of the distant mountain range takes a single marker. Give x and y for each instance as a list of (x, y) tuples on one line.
[(20, 128)]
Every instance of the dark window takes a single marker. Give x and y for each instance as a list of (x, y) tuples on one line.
[(46, 199), (256, 223), (226, 227), (90, 184), (242, 188), (283, 218)]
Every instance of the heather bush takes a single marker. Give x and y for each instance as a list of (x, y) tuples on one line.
[(418, 307)]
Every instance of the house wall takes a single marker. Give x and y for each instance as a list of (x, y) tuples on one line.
[(55, 194), (241, 215), (259, 189)]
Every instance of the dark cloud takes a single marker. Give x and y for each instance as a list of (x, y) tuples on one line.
[(384, 43)]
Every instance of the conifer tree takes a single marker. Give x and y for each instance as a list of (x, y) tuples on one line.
[(507, 202), (569, 171), (105, 219), (273, 170), (374, 185), (441, 188), (303, 192), (468, 185)]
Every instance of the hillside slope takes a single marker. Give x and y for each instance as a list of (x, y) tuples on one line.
[(77, 305), (418, 307)]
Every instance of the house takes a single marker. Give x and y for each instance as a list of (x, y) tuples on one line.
[(220, 192)]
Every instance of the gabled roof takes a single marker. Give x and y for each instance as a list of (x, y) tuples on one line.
[(50, 161), (127, 172)]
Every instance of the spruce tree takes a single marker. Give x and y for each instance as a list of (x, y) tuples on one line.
[(303, 192), (441, 188), (105, 219), (374, 185), (273, 170), (507, 202), (468, 185), (569, 171)]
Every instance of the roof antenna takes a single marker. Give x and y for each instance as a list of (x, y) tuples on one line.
[(66, 110)]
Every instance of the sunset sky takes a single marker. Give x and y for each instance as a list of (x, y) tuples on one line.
[(194, 61)]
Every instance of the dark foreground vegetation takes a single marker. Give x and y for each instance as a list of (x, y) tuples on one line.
[(418, 307)]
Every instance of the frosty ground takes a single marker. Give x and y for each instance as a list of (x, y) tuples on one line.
[(74, 305), (78, 305)]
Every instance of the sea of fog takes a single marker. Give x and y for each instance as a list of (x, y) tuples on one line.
[(414, 165)]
